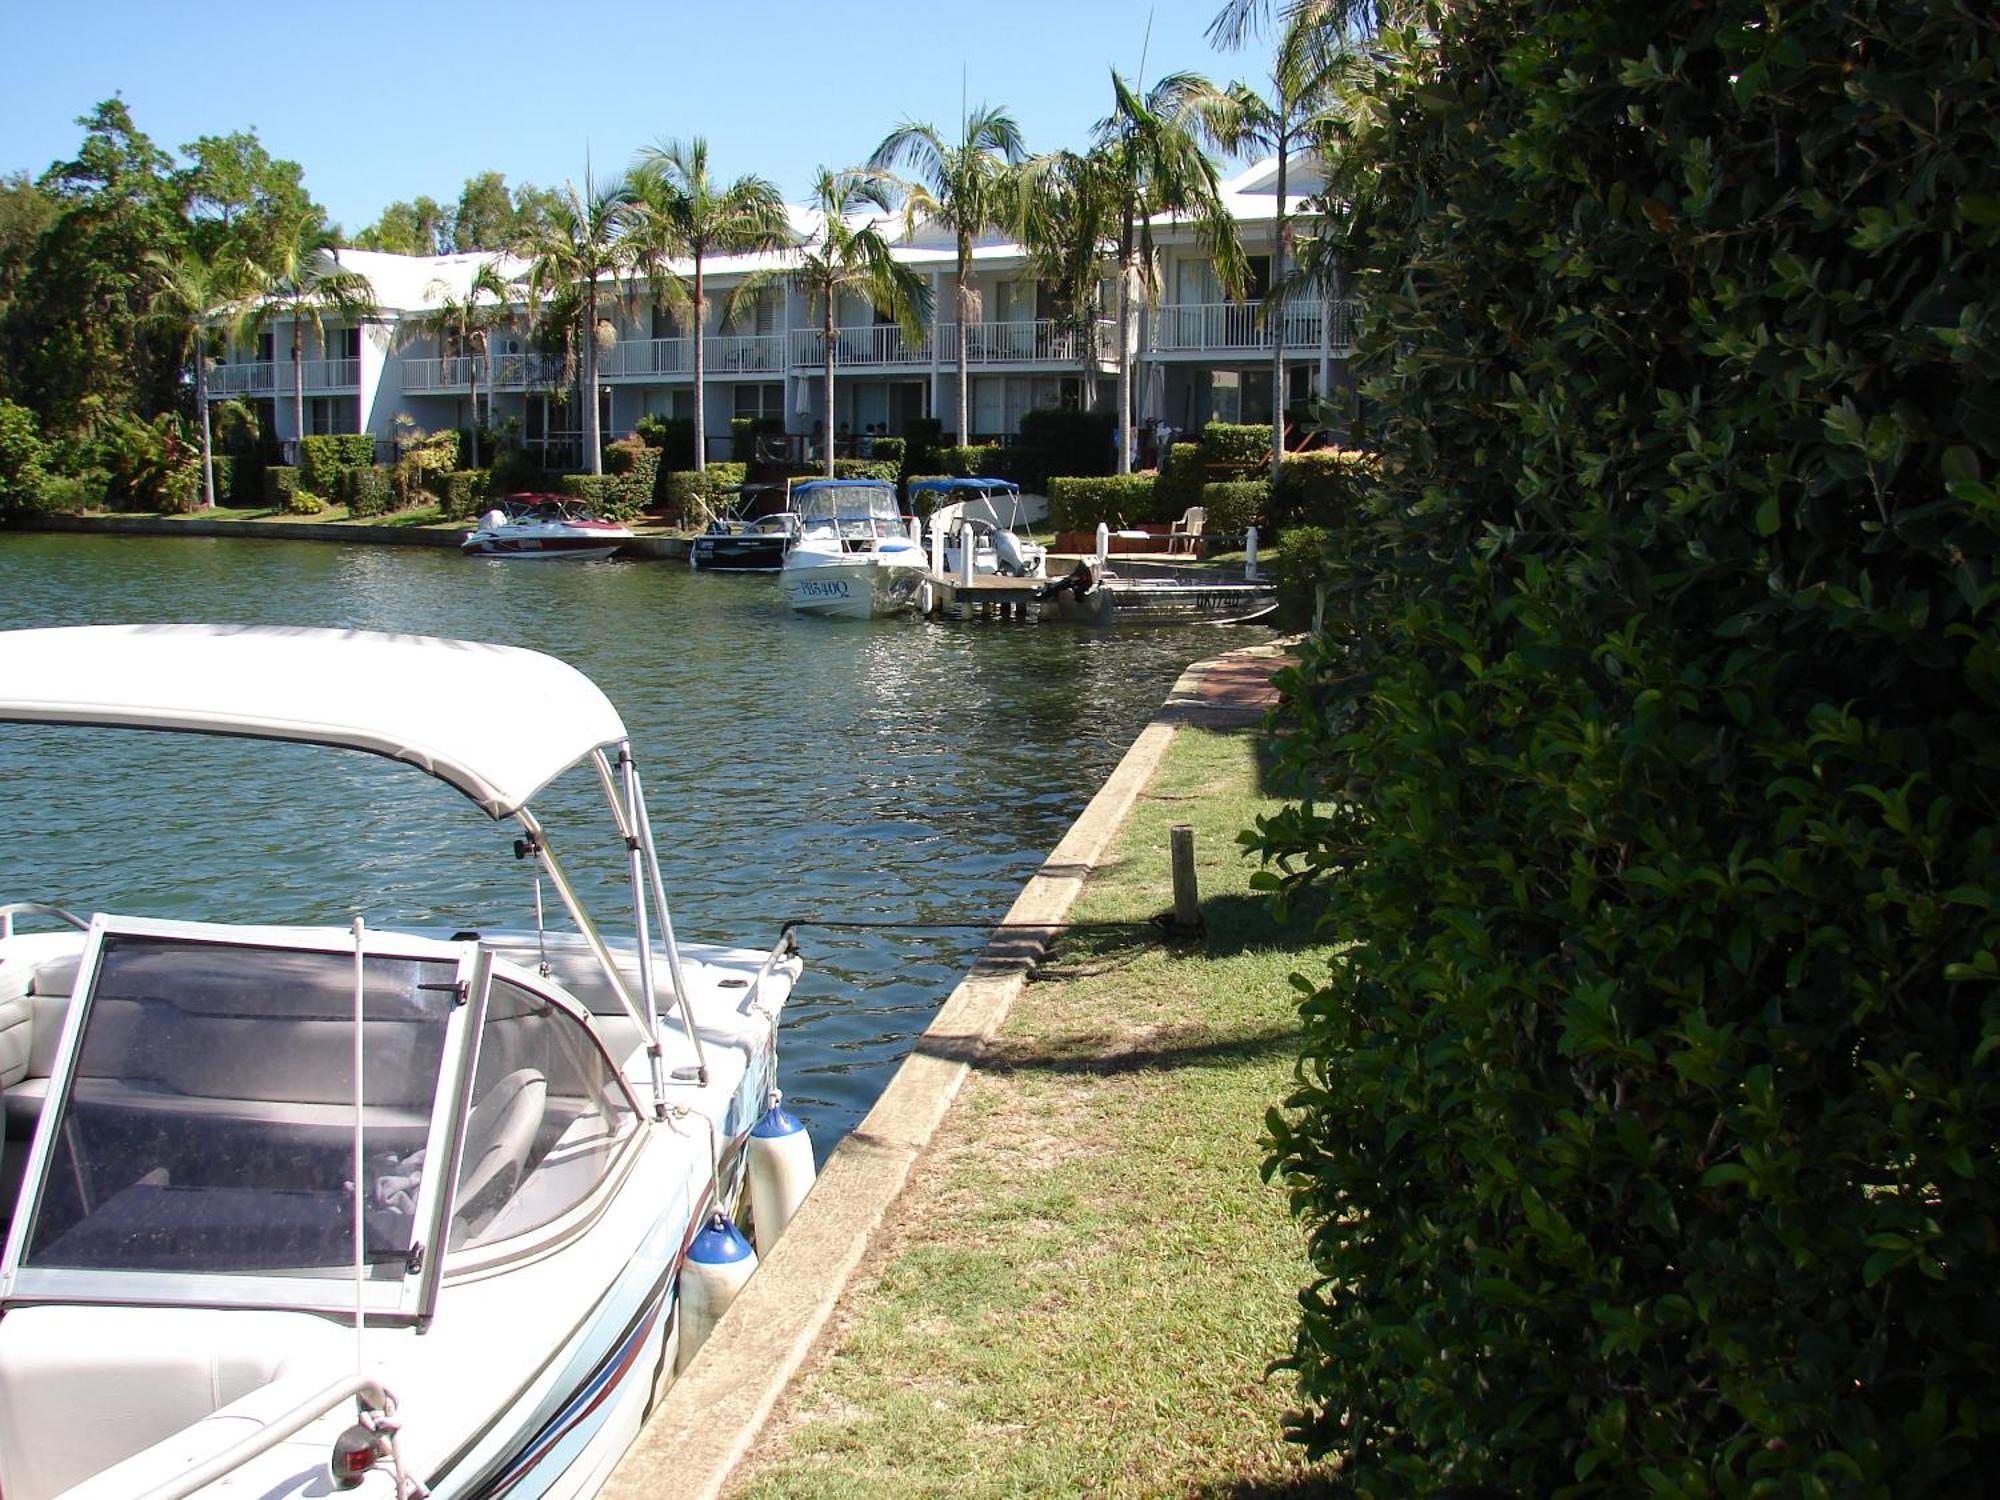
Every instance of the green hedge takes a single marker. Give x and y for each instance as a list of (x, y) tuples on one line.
[(1301, 568), (1322, 487), (364, 491), (1244, 448), (887, 450), (466, 492), (673, 436), (638, 467), (603, 493), (865, 468), (1236, 504), (1646, 1133), (1182, 480), (281, 483), (323, 456), (1079, 503), (225, 477), (688, 491)]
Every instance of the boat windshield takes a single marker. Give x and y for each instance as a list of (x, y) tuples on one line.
[(209, 1124), (848, 510)]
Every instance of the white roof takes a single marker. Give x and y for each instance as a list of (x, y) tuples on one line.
[(497, 722)]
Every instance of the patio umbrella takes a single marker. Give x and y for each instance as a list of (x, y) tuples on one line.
[(1153, 400), (803, 406)]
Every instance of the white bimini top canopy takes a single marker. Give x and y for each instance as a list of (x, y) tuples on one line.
[(497, 722)]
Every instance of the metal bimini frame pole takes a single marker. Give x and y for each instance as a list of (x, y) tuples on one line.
[(637, 830), (654, 1046), (537, 842)]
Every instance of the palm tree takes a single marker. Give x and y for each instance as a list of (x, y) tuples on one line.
[(464, 321), (1302, 74), (305, 281), (193, 295), (965, 188), (681, 211), (1152, 145), (1334, 20), (845, 256), (1066, 216), (570, 251)]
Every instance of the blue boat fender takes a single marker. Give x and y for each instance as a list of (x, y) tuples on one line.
[(781, 1171), (719, 1262)]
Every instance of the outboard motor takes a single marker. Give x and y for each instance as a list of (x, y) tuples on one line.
[(1007, 549)]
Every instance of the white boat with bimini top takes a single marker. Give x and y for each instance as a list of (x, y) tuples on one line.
[(986, 514), (541, 527), (304, 1208), (855, 557)]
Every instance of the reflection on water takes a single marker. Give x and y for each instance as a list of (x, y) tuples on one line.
[(884, 770)]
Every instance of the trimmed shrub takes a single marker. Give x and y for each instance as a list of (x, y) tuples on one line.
[(1060, 442), (1078, 504), (1244, 448), (1182, 480), (887, 450), (281, 484), (466, 492), (1322, 487), (603, 493), (689, 493), (922, 437), (639, 467), (1301, 568), (324, 455), (365, 492), (865, 468), (1645, 1131), (961, 462), (1235, 505)]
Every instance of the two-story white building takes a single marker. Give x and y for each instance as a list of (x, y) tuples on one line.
[(1199, 355)]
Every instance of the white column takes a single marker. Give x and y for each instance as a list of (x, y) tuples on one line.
[(937, 347)]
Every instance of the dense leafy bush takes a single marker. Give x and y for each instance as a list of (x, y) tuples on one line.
[(1236, 504), (225, 476), (691, 496), (323, 455), (922, 437), (142, 461), (1060, 442), (1236, 450), (1646, 1130), (365, 492), (1300, 570), (1078, 504), (961, 462), (864, 468), (281, 483), (465, 493), (888, 450), (1181, 481), (603, 493), (22, 455), (1320, 487), (637, 466)]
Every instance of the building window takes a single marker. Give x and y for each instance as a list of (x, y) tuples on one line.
[(331, 414), (761, 400)]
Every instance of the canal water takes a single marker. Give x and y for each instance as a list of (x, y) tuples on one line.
[(877, 771)]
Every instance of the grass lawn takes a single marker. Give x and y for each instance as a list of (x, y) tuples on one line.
[(1084, 1282)]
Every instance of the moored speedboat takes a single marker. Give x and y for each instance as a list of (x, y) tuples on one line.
[(539, 527), (854, 558), (752, 536), (985, 515), (268, 1171)]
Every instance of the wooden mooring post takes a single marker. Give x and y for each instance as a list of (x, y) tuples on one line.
[(1187, 894)]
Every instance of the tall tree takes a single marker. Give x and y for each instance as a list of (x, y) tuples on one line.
[(419, 228), (484, 218), (1066, 216), (849, 253), (84, 327), (1303, 69), (1152, 147), (464, 321), (193, 296), (304, 282), (237, 198), (571, 255), (680, 211), (963, 186)]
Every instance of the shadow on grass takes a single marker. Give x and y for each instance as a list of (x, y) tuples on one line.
[(1289, 1487), (1096, 1056)]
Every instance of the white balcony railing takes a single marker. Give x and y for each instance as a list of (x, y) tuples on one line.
[(737, 353), (514, 372), (420, 375), (263, 377), (1228, 327), (254, 378), (862, 344), (649, 357), (330, 374)]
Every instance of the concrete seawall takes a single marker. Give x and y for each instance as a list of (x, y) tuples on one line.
[(353, 533)]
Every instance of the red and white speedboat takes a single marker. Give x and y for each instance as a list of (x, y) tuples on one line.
[(544, 526)]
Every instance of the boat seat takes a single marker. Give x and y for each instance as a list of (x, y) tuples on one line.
[(500, 1136), (82, 1388)]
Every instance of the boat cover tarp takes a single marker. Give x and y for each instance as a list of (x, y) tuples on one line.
[(497, 722)]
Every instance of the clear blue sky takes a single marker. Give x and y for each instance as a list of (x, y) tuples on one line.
[(379, 102)]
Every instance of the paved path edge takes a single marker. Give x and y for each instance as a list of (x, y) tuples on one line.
[(713, 1412)]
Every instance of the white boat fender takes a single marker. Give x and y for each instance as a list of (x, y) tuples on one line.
[(718, 1264), (781, 1172)]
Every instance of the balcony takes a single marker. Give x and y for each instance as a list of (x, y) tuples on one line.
[(1240, 327), (266, 377), (742, 354), (645, 359), (443, 375), (863, 344)]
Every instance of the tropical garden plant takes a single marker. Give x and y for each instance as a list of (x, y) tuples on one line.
[(1066, 215), (680, 211), (964, 186), (465, 321), (195, 297), (304, 283)]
